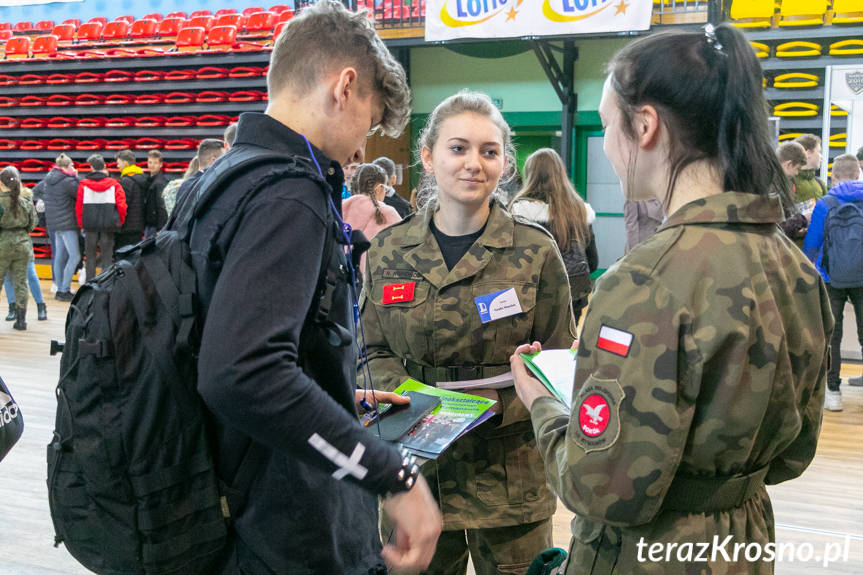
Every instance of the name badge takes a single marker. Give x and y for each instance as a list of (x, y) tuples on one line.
[(397, 293), (497, 305)]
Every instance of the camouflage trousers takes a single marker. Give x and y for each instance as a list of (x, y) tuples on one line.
[(494, 551), (14, 258)]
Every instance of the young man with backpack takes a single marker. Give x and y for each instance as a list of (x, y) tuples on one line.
[(101, 210), (135, 184), (834, 243), (155, 213)]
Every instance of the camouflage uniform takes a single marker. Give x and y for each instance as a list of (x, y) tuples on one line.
[(492, 477), (16, 250), (723, 376)]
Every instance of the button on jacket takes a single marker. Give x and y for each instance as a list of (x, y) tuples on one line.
[(492, 477), (708, 345)]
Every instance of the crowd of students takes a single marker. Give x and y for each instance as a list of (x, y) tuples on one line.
[(689, 394)]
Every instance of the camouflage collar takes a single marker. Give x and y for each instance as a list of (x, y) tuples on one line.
[(498, 232), (728, 207)]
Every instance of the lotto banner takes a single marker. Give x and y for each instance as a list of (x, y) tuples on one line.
[(450, 19)]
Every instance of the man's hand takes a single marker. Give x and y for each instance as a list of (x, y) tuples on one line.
[(527, 387), (380, 396), (417, 521)]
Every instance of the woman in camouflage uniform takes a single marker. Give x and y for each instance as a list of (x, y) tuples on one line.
[(17, 220), (427, 314), (702, 361)]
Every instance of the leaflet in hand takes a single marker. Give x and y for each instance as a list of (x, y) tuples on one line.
[(457, 414), (555, 368)]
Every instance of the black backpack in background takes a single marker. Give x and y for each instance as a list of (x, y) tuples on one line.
[(131, 481), (842, 254)]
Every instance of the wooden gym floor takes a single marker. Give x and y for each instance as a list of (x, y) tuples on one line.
[(824, 506)]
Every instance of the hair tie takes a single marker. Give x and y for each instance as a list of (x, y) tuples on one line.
[(710, 35)]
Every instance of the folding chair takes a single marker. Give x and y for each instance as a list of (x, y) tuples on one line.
[(177, 15), (236, 20), (128, 19), (170, 27), (21, 27), (795, 13), (224, 11), (45, 46), (839, 140), (64, 32), (198, 13), (796, 110), (847, 11), (851, 47), (5, 35), (146, 28), (73, 21), (278, 30), (44, 25), (17, 48), (221, 38), (836, 111), (190, 39), (205, 22), (90, 32), (752, 13), (153, 16), (280, 8), (798, 49), (59, 100), (794, 80), (260, 23), (253, 10), (100, 19), (116, 30)]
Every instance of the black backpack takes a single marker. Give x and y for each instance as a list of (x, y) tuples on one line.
[(131, 481), (842, 254)]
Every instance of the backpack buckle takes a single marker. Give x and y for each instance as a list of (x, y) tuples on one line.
[(99, 348)]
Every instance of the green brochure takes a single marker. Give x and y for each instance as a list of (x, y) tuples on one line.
[(555, 368)]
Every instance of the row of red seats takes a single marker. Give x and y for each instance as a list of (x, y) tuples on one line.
[(205, 73), (48, 25), (205, 97), (62, 122), (100, 144), (222, 38), (32, 165)]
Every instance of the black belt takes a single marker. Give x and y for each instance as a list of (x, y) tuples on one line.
[(432, 375), (708, 494)]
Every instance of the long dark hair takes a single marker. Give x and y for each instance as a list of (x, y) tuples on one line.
[(12, 180), (707, 88)]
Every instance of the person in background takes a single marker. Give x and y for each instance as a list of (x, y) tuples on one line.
[(17, 220), (348, 170), (135, 183), (807, 185), (101, 210), (169, 194), (365, 210), (229, 135), (641, 218), (847, 188), (209, 150), (549, 199), (32, 280), (427, 314), (702, 359), (392, 199), (155, 212), (792, 157)]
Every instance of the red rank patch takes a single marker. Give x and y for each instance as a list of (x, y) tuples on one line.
[(594, 415), (398, 293)]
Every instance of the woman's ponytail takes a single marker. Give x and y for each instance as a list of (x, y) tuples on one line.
[(12, 180)]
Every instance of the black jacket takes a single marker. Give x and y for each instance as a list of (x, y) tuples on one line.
[(266, 373), (58, 191), (401, 205), (135, 188), (155, 213)]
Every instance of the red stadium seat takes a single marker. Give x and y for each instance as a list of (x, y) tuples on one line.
[(8, 80), (205, 22), (172, 122), (224, 11), (148, 143), (32, 165), (21, 27), (150, 121), (175, 167), (179, 98), (210, 72), (148, 100), (128, 19), (5, 35), (118, 76), (91, 122), (60, 78), (7, 122), (253, 10), (73, 21), (120, 122), (100, 19), (90, 32), (59, 100), (221, 37), (18, 47), (8, 144), (44, 25), (64, 32), (30, 124), (177, 15), (45, 46), (279, 8), (170, 26), (179, 144), (153, 16), (31, 79), (116, 30), (213, 120), (146, 28), (237, 20), (97, 144), (246, 72), (89, 99), (8, 102), (261, 22), (31, 145), (88, 77), (190, 39), (8, 25), (211, 96), (179, 75), (278, 30), (59, 144), (198, 13), (247, 96), (149, 75), (119, 99), (286, 15)]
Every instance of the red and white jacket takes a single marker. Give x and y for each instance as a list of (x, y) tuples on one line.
[(101, 204)]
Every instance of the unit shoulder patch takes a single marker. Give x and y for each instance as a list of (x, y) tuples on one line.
[(598, 404)]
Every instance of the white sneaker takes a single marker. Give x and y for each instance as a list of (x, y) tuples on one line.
[(53, 288), (833, 401)]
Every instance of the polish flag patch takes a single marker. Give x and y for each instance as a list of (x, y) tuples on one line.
[(398, 293), (615, 341)]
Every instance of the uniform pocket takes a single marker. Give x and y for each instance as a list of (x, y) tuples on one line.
[(512, 472)]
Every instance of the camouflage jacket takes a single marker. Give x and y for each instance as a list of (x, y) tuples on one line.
[(492, 476), (703, 355), (15, 227)]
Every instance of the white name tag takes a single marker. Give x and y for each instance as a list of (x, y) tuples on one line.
[(497, 305)]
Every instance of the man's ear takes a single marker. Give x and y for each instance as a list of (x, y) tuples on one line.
[(345, 87), (647, 126)]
